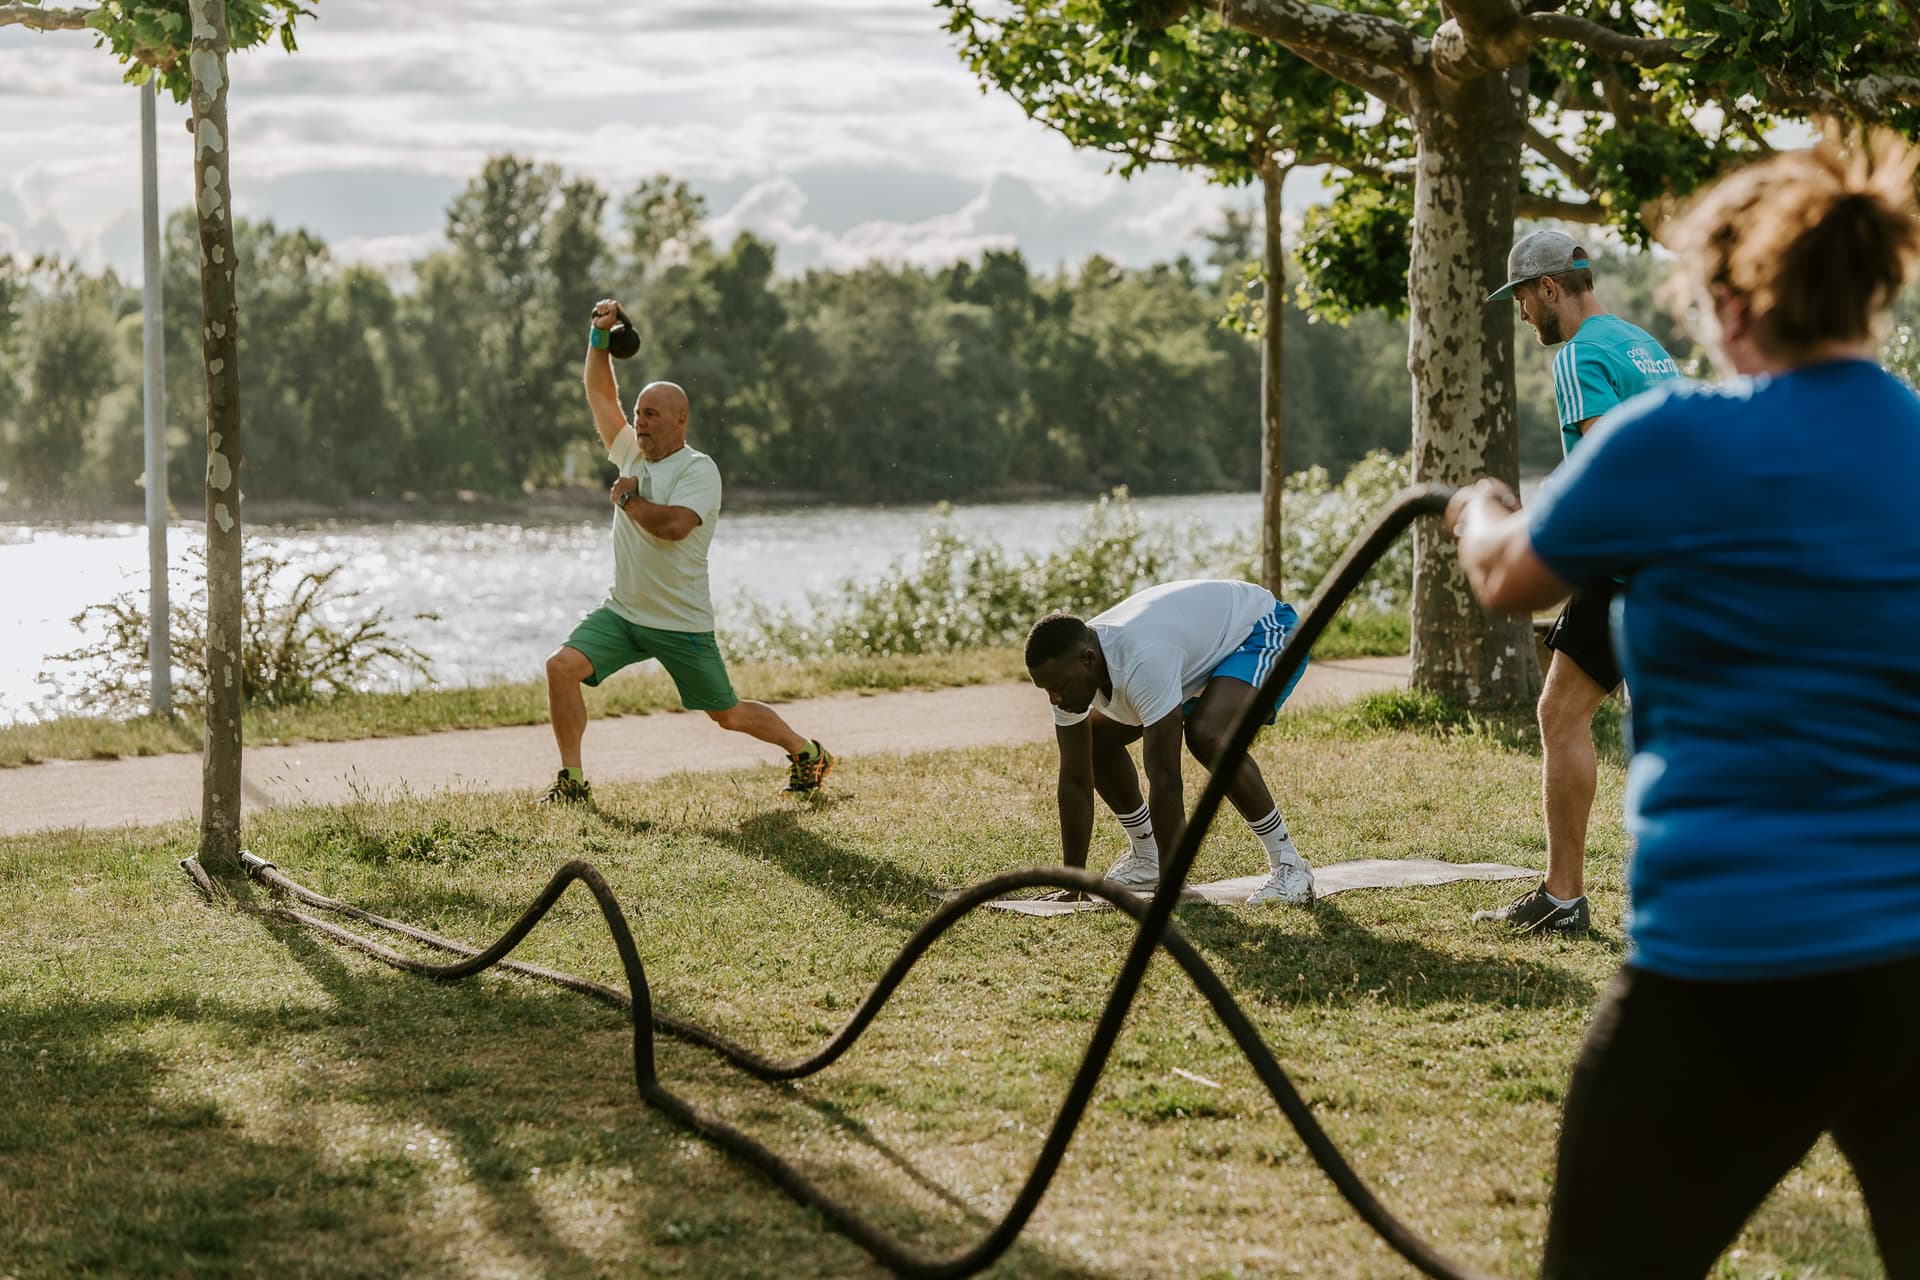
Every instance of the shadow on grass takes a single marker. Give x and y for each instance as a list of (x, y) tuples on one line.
[(571, 1059), (414, 1124), (1320, 956), (870, 888), (632, 828), (108, 1175)]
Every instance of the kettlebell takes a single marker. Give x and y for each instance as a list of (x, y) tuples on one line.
[(623, 340)]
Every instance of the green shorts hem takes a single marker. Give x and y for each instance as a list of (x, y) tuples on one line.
[(691, 658)]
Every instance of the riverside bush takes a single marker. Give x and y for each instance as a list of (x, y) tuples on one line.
[(954, 594), (298, 645)]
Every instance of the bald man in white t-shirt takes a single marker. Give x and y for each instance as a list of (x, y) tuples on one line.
[(1174, 662), (666, 500)]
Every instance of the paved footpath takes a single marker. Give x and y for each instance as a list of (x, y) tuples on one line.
[(148, 789)]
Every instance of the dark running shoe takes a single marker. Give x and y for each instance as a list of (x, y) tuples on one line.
[(1535, 912), (566, 790), (806, 772)]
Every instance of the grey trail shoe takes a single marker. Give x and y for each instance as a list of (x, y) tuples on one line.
[(1534, 912)]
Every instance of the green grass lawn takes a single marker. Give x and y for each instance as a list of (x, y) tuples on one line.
[(187, 1090), (635, 691)]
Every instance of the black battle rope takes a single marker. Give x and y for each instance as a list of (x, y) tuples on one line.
[(1155, 931)]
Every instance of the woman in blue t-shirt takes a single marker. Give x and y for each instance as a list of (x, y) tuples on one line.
[(1768, 531)]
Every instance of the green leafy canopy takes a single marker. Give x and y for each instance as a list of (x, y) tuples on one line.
[(154, 37), (1191, 92)]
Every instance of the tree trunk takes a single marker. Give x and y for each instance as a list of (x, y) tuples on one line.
[(1460, 352), (1273, 463), (219, 344)]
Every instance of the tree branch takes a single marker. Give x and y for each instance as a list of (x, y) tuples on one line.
[(1641, 50), (38, 19), (1613, 88), (1367, 78), (1303, 26), (1529, 205), (1750, 129), (1871, 97), (1557, 156)]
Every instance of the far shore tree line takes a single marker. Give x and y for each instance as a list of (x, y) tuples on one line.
[(882, 383)]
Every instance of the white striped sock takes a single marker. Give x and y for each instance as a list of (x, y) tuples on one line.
[(1272, 831), (1139, 828)]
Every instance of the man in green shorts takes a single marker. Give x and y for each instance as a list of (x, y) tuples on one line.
[(666, 499)]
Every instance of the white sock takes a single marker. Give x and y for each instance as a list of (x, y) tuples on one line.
[(1139, 828), (1560, 902), (1272, 831)]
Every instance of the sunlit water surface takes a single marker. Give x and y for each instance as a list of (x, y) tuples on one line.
[(506, 594)]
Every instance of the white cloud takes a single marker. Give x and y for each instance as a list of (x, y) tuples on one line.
[(776, 210), (842, 130)]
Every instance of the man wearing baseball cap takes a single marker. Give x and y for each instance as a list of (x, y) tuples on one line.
[(1603, 362)]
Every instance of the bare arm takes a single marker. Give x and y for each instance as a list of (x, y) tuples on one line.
[(1166, 790), (603, 390), (657, 518), (1497, 553), (1075, 790)]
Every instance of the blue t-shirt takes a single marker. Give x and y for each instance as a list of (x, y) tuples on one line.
[(1769, 628), (1606, 362)]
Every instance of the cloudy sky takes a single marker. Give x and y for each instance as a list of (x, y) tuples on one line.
[(842, 130)]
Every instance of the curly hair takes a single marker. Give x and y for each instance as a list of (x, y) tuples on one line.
[(1818, 243)]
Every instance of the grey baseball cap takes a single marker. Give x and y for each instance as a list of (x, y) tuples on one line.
[(1540, 253)]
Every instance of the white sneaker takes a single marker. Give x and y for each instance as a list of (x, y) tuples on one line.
[(1293, 882), (1135, 872)]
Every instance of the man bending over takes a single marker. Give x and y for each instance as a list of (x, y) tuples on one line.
[(1175, 661)]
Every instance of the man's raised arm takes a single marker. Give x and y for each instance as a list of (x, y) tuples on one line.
[(603, 390)]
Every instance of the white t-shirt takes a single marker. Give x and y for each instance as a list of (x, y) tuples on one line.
[(657, 582), (1162, 644)]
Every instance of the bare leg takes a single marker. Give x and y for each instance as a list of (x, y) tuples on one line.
[(1114, 776), (758, 720), (1569, 774), (566, 704), (1207, 730)]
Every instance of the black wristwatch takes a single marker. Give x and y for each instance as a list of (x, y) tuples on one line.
[(621, 501)]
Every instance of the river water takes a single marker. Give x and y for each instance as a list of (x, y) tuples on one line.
[(506, 594)]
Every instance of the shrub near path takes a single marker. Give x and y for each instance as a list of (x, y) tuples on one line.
[(191, 1090)]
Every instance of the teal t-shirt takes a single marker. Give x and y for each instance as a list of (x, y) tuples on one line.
[(1606, 362)]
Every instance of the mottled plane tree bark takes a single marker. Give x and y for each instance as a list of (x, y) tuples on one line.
[(184, 47)]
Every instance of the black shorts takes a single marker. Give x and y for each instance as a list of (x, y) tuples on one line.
[(1584, 632)]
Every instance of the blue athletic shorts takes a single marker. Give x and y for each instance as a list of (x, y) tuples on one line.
[(1253, 660)]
